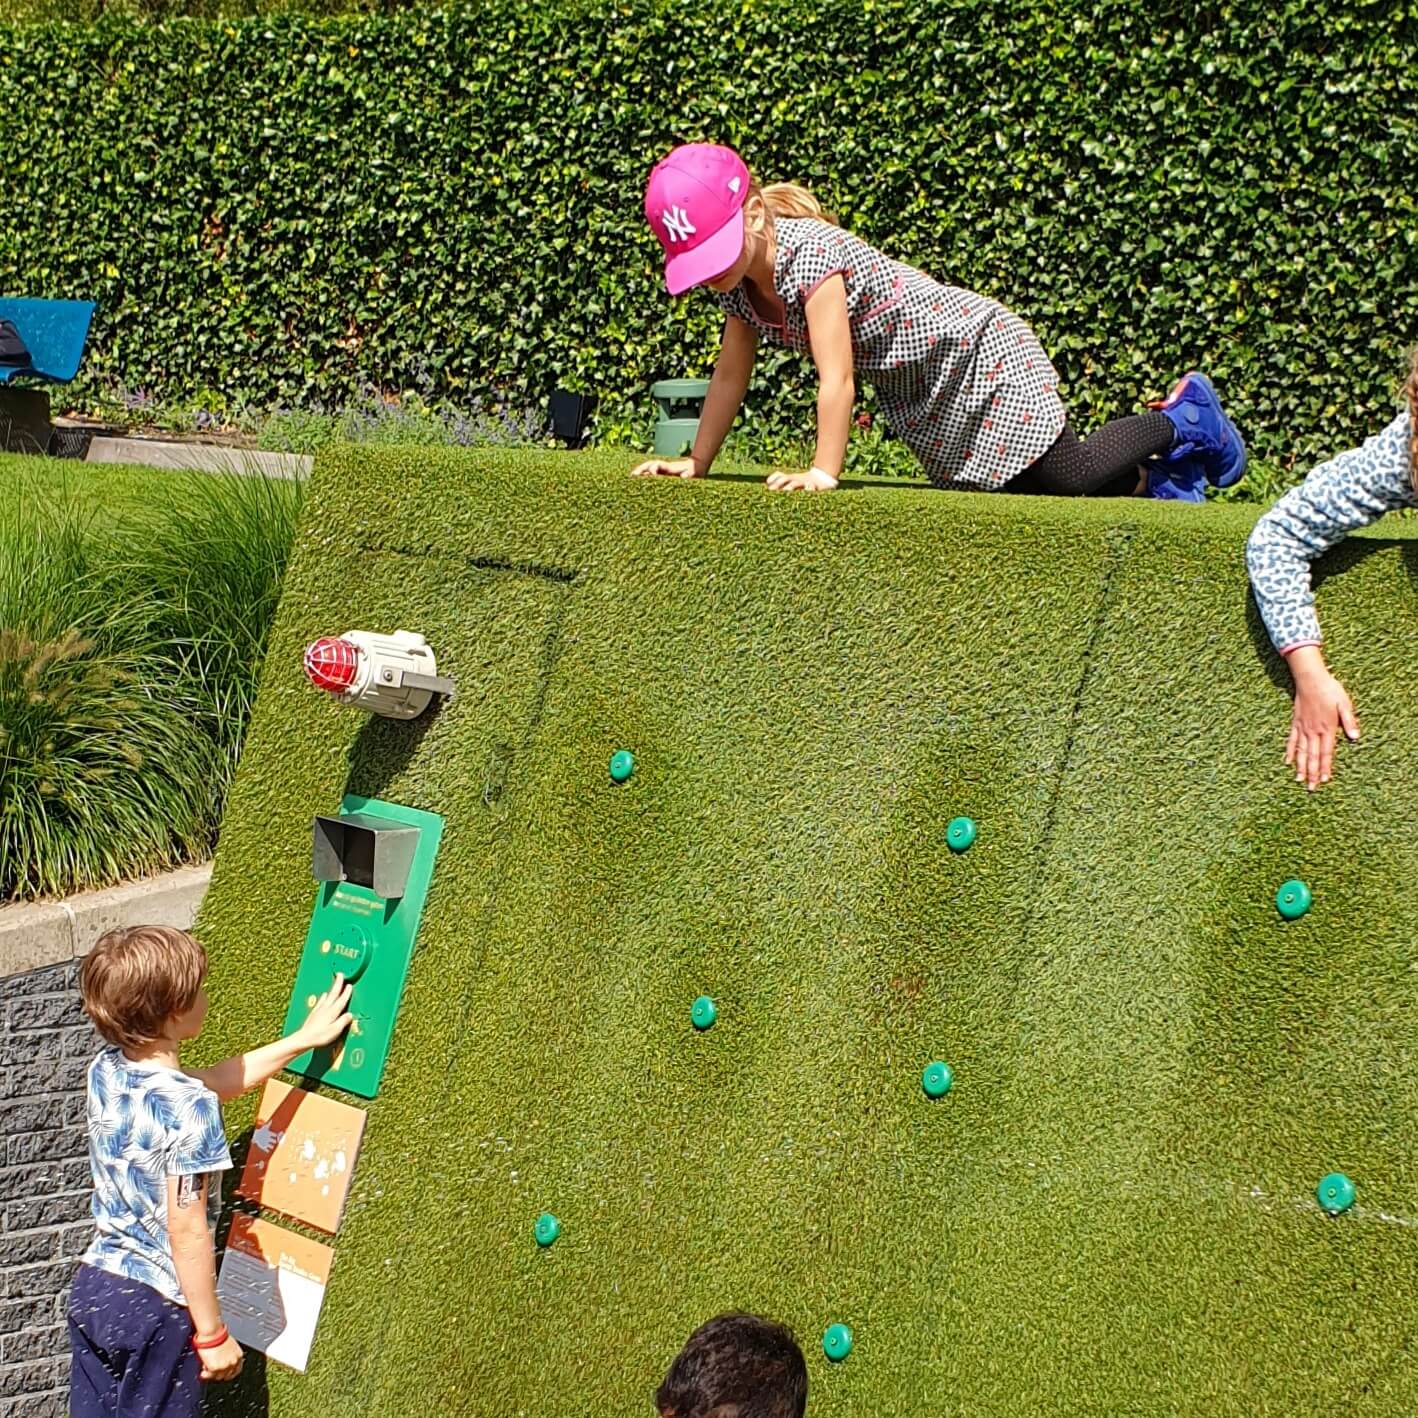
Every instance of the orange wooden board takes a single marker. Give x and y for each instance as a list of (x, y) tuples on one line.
[(302, 1155)]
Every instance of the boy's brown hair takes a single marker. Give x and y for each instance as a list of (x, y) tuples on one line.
[(736, 1366), (135, 979)]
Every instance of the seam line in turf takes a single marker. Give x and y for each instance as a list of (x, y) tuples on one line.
[(1121, 544), (552, 642), (563, 575)]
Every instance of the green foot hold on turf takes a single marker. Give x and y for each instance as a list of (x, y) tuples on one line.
[(961, 834), (702, 1013), (1293, 899), (937, 1079), (837, 1342), (1335, 1193), (547, 1229), (622, 765)]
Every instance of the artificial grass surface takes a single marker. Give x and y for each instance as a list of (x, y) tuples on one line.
[(1112, 1211)]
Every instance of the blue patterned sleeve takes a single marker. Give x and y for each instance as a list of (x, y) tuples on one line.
[(198, 1143), (1348, 492)]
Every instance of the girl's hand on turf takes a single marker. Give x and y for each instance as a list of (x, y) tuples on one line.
[(328, 1017), (222, 1363), (814, 480), (666, 468), (1322, 708)]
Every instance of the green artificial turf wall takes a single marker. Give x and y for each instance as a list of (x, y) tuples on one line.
[(1113, 1211)]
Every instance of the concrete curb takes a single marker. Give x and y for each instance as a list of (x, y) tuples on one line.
[(201, 457), (48, 932)]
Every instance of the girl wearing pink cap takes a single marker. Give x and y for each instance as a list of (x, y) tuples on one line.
[(962, 381)]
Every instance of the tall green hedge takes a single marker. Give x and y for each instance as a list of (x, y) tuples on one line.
[(88, 11), (281, 208)]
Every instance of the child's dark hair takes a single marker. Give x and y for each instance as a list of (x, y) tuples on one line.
[(736, 1366)]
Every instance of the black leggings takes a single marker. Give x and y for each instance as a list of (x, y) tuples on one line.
[(1105, 466)]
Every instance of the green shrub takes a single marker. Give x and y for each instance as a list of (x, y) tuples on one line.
[(100, 777), (128, 658), (405, 419), (88, 12), (286, 209), (1112, 1213)]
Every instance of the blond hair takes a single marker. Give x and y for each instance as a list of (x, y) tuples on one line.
[(787, 199), (135, 979), (1410, 388)]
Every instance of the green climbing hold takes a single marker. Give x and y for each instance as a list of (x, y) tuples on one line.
[(1335, 1193), (702, 1013), (837, 1342), (547, 1229), (1293, 899), (622, 765), (960, 835), (937, 1079)]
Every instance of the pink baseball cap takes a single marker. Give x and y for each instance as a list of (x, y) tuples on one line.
[(694, 201)]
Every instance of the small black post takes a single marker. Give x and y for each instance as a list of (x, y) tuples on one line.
[(568, 415), (24, 421)]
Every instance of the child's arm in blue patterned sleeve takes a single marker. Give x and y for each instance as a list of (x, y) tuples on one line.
[(1349, 492)]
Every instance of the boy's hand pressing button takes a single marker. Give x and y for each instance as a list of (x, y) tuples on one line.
[(329, 1018)]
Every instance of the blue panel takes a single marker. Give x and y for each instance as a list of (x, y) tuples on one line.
[(54, 332)]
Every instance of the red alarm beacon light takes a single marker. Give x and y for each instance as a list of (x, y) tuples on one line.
[(393, 675), (331, 663)]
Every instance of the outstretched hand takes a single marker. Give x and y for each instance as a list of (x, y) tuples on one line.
[(328, 1017), (666, 468), (814, 480), (1322, 709)]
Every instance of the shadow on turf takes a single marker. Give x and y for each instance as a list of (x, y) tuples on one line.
[(384, 748), (249, 1396), (848, 484)]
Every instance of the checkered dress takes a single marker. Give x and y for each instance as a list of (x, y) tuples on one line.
[(961, 381)]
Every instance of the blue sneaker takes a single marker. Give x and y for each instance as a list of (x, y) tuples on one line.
[(1181, 480), (1203, 430)]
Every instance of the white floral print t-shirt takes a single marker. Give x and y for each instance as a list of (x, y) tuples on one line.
[(147, 1123)]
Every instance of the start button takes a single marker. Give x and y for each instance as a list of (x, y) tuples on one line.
[(348, 950)]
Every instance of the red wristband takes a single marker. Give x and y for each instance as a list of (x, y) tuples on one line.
[(215, 1342)]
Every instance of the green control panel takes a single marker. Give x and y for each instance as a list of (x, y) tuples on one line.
[(374, 862)]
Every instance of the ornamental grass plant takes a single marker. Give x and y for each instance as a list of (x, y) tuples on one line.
[(129, 651)]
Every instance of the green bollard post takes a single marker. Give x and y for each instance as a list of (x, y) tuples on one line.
[(678, 405)]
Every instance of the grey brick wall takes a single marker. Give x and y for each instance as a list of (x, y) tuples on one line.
[(45, 1048)]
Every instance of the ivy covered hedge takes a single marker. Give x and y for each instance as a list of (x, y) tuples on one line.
[(281, 209), (88, 11)]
